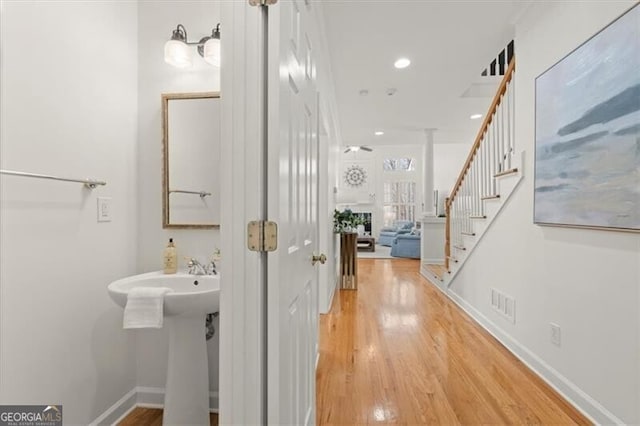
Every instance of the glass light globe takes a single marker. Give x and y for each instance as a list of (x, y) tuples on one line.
[(402, 63), (212, 52), (177, 53)]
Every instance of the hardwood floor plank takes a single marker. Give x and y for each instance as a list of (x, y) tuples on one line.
[(398, 351), (141, 416)]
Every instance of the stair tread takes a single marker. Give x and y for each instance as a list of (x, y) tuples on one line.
[(491, 197), (506, 172)]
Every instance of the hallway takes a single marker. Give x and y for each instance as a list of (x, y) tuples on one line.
[(398, 351)]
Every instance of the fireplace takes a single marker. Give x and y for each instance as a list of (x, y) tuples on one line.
[(366, 216)]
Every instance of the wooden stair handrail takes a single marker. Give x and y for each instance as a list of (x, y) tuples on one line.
[(487, 121)]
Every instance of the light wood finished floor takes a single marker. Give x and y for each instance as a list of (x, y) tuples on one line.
[(398, 351), (152, 417), (437, 271)]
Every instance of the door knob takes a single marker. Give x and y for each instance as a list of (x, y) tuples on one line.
[(318, 258)]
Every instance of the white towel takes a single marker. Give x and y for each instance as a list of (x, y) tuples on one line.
[(144, 307)]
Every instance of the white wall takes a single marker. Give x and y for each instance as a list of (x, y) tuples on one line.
[(156, 20), (588, 282), (69, 90), (448, 159)]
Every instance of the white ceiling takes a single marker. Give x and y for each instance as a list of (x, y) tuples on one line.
[(449, 44)]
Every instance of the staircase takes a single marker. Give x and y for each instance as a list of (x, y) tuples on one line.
[(488, 178)]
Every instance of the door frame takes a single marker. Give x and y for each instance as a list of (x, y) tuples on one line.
[(242, 380), (242, 294), (327, 277)]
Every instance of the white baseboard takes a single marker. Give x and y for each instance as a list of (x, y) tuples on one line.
[(151, 397), (584, 403), (333, 294), (117, 411), (142, 396), (336, 285)]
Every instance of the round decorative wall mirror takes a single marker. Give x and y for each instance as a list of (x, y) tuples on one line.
[(355, 176)]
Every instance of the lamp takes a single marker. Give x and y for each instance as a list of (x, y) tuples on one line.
[(176, 50), (209, 47)]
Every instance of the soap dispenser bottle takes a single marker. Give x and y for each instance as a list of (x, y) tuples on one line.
[(170, 258)]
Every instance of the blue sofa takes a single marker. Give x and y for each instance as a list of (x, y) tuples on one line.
[(389, 233), (406, 245)]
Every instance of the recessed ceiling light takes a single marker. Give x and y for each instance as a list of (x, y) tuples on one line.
[(475, 116), (379, 133), (402, 63)]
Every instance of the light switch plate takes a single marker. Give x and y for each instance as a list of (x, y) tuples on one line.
[(104, 209)]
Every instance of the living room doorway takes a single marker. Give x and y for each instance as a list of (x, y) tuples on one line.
[(383, 185)]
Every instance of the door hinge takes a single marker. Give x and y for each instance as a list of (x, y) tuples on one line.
[(262, 235), (262, 2)]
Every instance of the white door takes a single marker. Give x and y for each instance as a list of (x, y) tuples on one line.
[(292, 308)]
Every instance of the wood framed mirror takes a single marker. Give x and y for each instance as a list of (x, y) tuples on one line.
[(191, 160)]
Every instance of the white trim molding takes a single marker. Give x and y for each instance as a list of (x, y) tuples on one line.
[(507, 187), (242, 293), (141, 396), (118, 411)]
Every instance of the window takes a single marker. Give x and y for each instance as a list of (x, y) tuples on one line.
[(398, 165), (399, 202)]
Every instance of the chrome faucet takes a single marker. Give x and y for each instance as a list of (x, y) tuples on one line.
[(212, 269), (196, 268)]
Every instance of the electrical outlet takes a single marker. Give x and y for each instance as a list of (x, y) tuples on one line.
[(104, 209), (555, 334)]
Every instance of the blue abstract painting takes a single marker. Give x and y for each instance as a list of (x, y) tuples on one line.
[(587, 161)]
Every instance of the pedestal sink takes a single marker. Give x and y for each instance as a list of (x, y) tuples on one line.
[(186, 400)]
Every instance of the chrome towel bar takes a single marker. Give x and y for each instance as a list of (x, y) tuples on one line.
[(89, 183), (202, 194)]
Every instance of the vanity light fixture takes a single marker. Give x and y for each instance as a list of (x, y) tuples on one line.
[(475, 116), (177, 52), (379, 133)]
